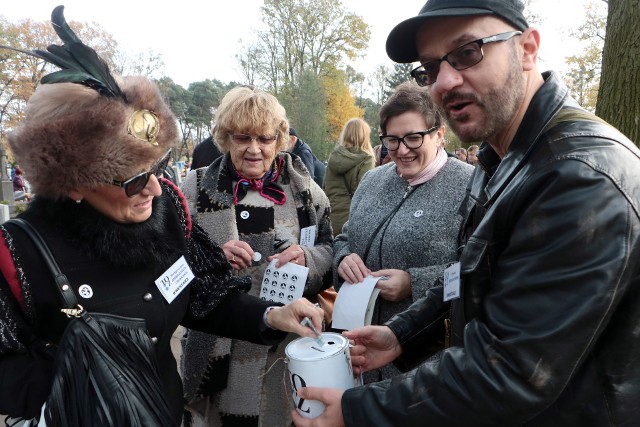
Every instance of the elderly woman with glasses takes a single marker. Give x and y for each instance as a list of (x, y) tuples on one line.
[(404, 218), (94, 146), (260, 203)]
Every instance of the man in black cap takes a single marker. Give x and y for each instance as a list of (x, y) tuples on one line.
[(541, 316)]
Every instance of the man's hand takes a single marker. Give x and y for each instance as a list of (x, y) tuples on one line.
[(374, 347), (332, 415)]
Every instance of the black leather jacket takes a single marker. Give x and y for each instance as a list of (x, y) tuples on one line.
[(547, 331)]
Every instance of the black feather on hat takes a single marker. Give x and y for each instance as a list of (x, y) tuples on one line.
[(85, 126)]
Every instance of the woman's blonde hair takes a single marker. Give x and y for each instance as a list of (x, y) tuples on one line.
[(356, 133), (246, 109)]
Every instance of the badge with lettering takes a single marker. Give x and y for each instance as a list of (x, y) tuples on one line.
[(175, 279), (452, 282), (308, 236)]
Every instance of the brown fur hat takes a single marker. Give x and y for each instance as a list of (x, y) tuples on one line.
[(73, 137)]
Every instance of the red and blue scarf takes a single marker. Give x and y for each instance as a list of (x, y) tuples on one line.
[(266, 186)]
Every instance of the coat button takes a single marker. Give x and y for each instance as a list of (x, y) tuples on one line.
[(154, 340), (147, 297)]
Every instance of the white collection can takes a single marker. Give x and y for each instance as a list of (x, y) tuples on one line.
[(312, 365)]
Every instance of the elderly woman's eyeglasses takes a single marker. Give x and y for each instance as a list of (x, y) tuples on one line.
[(241, 138), (466, 56), (136, 184), (411, 140)]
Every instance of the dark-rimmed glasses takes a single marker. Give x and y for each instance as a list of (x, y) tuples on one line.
[(136, 184), (461, 58), (241, 138), (411, 140)]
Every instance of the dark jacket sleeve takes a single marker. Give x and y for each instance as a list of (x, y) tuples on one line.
[(238, 316), (420, 329)]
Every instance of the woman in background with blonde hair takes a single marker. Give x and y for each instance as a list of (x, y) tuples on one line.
[(349, 161)]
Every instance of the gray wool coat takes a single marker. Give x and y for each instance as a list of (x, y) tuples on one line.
[(420, 238)]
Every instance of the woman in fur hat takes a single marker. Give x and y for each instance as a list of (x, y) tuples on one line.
[(257, 201), (93, 149)]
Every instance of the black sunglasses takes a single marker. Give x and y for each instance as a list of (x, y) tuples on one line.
[(136, 184), (461, 58)]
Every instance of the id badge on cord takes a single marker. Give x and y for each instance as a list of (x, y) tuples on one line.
[(452, 282)]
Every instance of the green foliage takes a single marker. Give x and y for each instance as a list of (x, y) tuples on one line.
[(304, 44), (304, 104), (399, 75)]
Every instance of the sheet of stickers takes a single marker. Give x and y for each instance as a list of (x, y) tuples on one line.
[(283, 284)]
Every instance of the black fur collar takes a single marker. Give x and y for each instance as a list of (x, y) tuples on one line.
[(121, 245)]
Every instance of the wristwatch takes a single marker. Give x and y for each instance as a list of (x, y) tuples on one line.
[(264, 316)]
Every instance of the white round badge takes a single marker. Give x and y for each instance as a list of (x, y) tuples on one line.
[(85, 291), (244, 214), (257, 256), (418, 213)]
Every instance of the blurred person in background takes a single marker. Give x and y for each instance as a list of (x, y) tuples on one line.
[(348, 162)]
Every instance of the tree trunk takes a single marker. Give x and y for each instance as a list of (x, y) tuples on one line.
[(619, 95)]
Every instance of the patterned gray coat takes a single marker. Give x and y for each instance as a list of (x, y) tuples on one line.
[(232, 372)]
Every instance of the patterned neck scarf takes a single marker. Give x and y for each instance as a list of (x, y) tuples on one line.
[(431, 170), (266, 186)]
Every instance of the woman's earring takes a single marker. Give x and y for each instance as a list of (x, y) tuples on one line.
[(79, 201)]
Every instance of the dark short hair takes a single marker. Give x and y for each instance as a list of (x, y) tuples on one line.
[(408, 96)]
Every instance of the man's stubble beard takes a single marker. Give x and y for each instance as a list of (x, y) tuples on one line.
[(498, 107)]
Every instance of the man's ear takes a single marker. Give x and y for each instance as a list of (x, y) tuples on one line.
[(530, 42)]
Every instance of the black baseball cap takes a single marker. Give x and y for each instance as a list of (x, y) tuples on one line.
[(292, 132), (401, 43)]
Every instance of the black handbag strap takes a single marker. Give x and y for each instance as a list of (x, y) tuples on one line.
[(69, 298)]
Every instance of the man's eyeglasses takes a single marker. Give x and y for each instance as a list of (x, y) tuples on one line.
[(411, 140), (136, 184), (240, 138), (461, 58)]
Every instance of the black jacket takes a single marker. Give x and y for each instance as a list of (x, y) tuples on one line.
[(546, 330)]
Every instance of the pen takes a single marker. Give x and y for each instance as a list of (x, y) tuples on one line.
[(309, 324)]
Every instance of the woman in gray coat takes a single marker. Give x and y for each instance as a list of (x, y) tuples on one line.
[(404, 217)]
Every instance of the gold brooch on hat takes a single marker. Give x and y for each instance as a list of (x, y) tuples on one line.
[(145, 126)]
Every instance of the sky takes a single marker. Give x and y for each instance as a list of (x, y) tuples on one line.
[(198, 39)]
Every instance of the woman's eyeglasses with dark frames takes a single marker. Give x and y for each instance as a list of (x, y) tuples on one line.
[(411, 140), (136, 184), (461, 58)]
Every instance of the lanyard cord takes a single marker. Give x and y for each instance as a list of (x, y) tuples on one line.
[(385, 222)]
